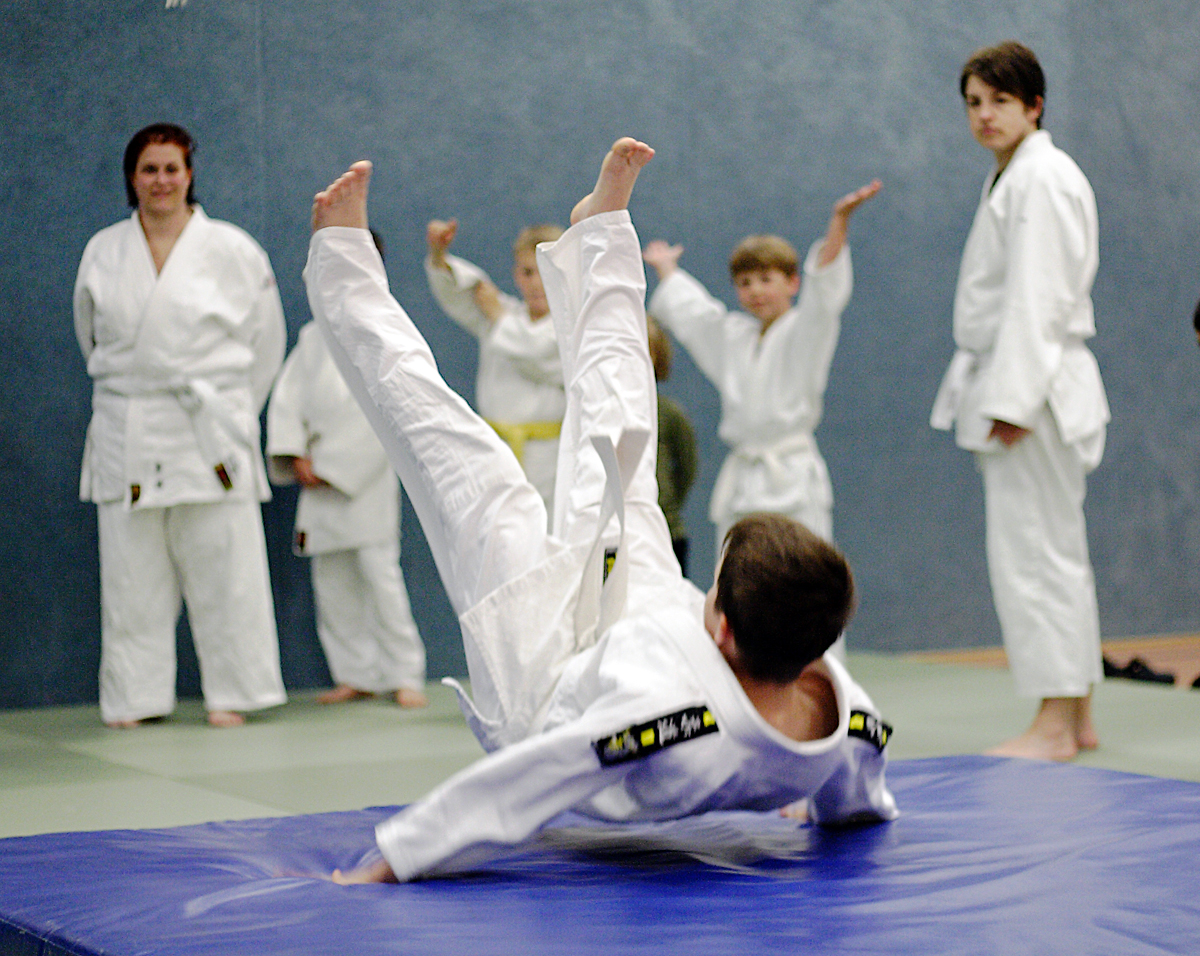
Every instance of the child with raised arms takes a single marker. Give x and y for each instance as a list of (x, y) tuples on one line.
[(769, 363)]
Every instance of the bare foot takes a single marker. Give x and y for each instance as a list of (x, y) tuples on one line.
[(375, 873), (225, 718), (1085, 731), (618, 172), (122, 724), (1055, 733), (343, 693), (1034, 745), (411, 699), (344, 201), (797, 811)]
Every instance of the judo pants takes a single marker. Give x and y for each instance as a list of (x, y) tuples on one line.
[(214, 557), (485, 523), (364, 620), (1038, 563)]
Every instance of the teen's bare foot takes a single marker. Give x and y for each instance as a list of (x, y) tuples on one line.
[(1085, 731), (618, 172), (341, 694), (122, 724), (1034, 745), (225, 718), (411, 699), (1056, 732), (344, 201)]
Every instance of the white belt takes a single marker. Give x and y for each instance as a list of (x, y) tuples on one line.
[(950, 392), (771, 454), (214, 416)]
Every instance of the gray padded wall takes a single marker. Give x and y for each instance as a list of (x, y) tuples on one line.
[(497, 112)]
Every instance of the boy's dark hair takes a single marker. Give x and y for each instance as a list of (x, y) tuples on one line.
[(1009, 67), (157, 133), (764, 252), (785, 592)]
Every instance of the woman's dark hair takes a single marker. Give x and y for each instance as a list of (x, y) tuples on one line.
[(157, 133)]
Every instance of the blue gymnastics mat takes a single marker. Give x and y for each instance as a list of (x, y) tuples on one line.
[(990, 856)]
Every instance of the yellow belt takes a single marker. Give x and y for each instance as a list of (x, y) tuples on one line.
[(516, 434)]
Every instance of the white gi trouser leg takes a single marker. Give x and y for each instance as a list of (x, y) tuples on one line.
[(595, 285), (1038, 563), (539, 462), (364, 620), (484, 522), (214, 556)]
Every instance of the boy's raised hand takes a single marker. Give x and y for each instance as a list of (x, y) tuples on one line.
[(438, 235), (835, 236), (851, 201), (662, 256)]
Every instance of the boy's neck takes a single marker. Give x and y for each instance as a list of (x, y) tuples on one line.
[(802, 709), (764, 324)]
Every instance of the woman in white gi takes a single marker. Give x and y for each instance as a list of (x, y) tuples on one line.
[(348, 523), (1027, 396), (519, 384), (623, 695), (769, 363), (180, 322)]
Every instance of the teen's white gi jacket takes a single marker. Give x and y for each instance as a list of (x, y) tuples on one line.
[(622, 700), (181, 361), (312, 414), (1023, 307), (772, 387)]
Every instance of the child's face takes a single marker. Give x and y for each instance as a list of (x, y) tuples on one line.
[(999, 121), (766, 293), (529, 283)]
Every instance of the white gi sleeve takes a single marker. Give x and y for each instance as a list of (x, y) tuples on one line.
[(454, 290), (856, 792), (496, 802), (532, 347), (84, 307), (824, 295), (1048, 249), (287, 430), (696, 319), (269, 339), (827, 287)]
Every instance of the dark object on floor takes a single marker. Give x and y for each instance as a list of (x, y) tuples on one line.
[(1137, 669), (1196, 684)]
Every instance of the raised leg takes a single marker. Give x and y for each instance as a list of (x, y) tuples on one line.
[(595, 281), (484, 522), (618, 174)]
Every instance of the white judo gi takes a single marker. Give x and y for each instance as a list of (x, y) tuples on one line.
[(610, 698), (1022, 313), (772, 388), (519, 384), (350, 528), (182, 362)]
